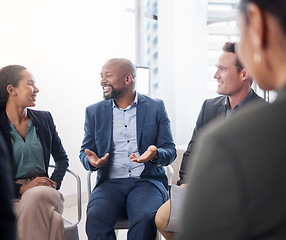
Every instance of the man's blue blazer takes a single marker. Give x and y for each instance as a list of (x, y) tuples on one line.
[(153, 128)]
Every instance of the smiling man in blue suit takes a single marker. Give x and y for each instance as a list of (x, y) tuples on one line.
[(127, 141)]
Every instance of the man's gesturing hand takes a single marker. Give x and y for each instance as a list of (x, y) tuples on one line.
[(94, 160), (149, 154)]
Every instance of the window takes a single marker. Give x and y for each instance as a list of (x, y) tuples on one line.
[(151, 42), (222, 27), (146, 38)]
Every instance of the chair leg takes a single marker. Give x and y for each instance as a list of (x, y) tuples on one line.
[(116, 232), (159, 236)]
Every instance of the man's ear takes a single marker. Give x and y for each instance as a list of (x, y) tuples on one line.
[(244, 74), (10, 90), (128, 78)]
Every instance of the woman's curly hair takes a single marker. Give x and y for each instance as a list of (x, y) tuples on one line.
[(9, 75)]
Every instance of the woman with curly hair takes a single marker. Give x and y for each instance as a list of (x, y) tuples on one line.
[(31, 138)]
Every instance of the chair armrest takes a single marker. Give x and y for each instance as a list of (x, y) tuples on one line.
[(89, 183), (78, 193), (169, 169)]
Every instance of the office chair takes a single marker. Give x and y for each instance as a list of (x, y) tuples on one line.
[(71, 229), (124, 223)]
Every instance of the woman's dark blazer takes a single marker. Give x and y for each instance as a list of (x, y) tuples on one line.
[(50, 140)]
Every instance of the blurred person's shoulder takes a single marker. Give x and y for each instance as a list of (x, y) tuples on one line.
[(255, 120)]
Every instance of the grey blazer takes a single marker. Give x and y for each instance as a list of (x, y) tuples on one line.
[(238, 181), (211, 109)]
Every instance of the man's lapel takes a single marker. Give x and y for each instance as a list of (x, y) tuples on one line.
[(221, 109), (140, 116), (107, 121)]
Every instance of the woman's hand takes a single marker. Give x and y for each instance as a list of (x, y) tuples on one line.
[(38, 181)]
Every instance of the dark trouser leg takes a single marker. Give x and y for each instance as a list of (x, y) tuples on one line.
[(143, 202), (106, 205)]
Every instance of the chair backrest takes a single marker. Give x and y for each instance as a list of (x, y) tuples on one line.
[(170, 174)]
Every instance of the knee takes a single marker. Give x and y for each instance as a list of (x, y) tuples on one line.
[(159, 222), (91, 215), (36, 193), (42, 195), (39, 193), (162, 216), (146, 217)]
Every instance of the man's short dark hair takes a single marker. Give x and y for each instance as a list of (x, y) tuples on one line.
[(230, 47)]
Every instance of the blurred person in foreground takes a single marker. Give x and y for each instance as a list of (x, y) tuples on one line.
[(238, 180), (31, 138), (7, 217), (127, 141), (234, 84)]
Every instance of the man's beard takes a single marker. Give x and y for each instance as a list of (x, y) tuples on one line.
[(114, 93)]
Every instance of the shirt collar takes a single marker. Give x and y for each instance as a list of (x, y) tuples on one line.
[(135, 102), (227, 104)]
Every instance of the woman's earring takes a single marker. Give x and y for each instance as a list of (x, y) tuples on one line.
[(257, 57)]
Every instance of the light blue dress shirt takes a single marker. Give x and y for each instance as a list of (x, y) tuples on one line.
[(28, 154), (124, 143)]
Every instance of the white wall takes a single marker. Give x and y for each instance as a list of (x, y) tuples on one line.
[(183, 62), (64, 44)]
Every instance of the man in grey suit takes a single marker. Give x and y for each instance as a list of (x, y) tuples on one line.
[(234, 83), (237, 182)]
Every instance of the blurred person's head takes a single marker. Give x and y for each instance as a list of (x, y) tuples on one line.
[(263, 41), (17, 87), (117, 78), (232, 77)]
